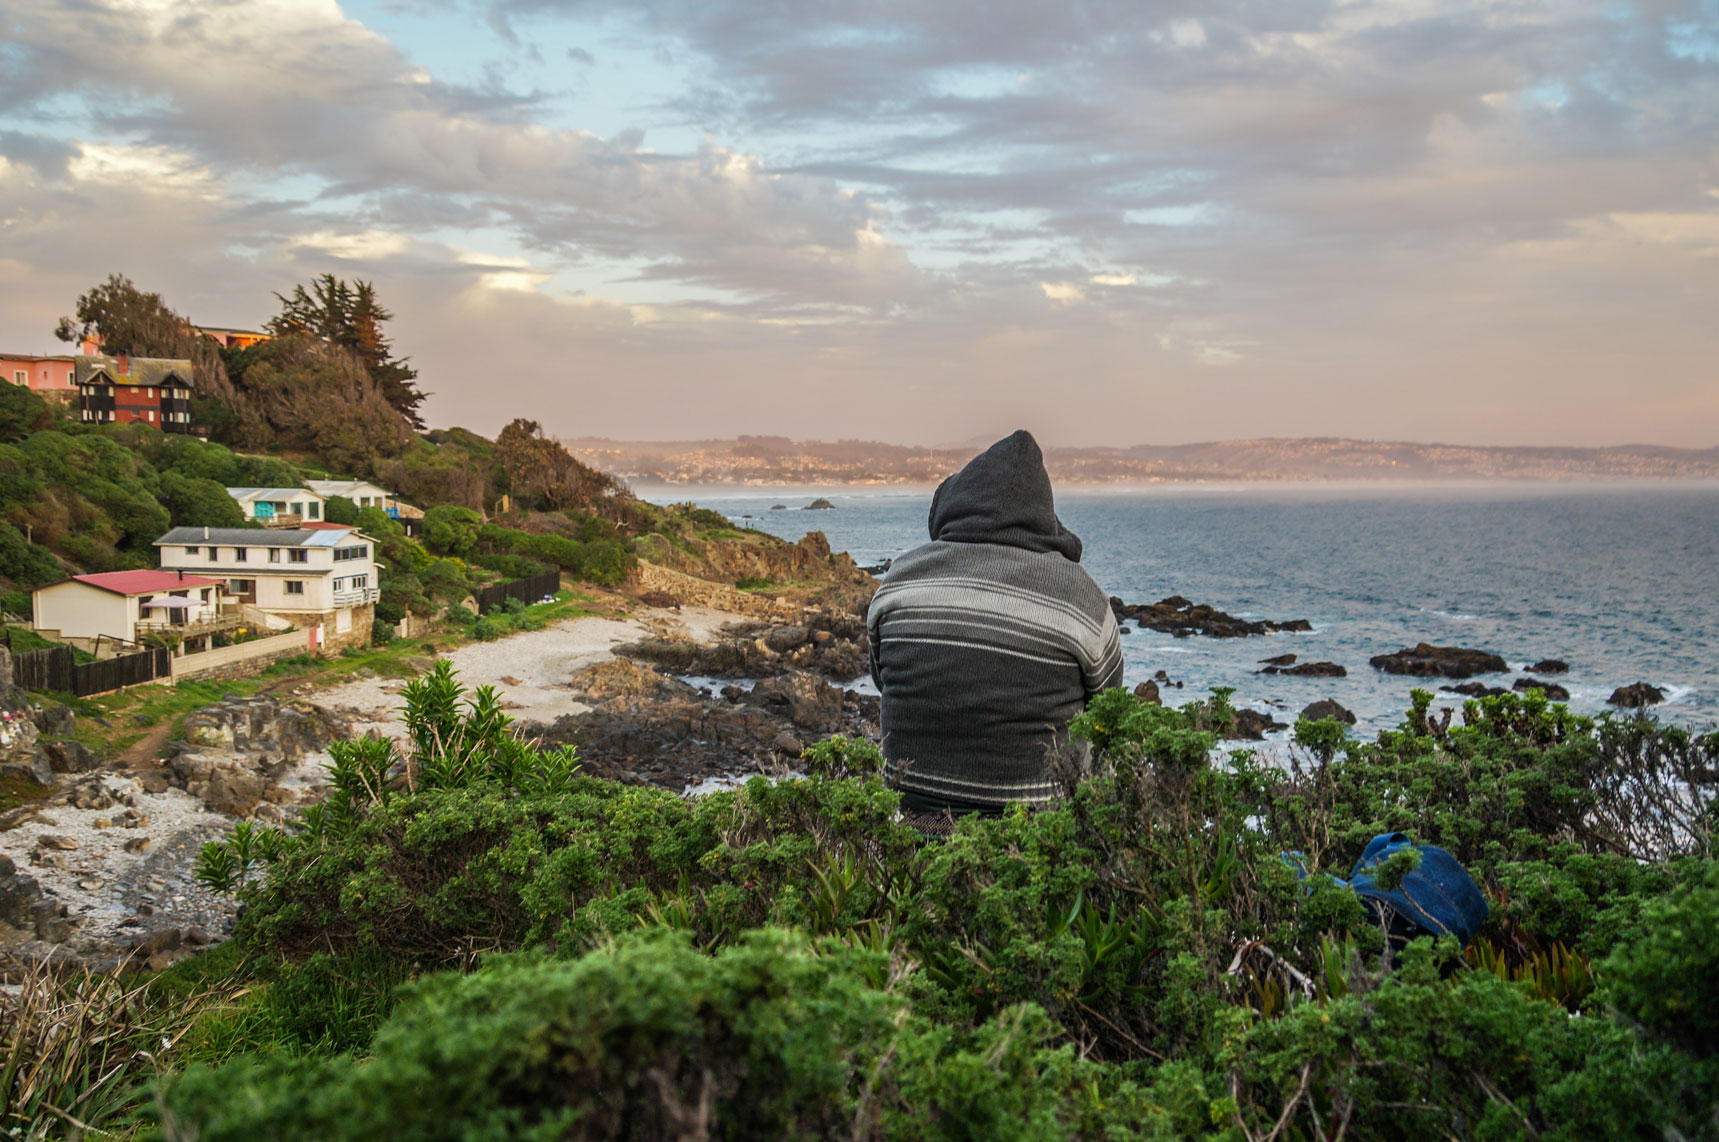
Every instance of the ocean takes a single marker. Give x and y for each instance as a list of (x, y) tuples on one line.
[(1620, 581)]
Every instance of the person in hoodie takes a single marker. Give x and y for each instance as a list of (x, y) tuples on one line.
[(987, 640)]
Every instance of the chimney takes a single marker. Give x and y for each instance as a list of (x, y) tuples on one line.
[(205, 531), (123, 368)]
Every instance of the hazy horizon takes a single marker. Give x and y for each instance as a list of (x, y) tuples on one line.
[(1391, 220)]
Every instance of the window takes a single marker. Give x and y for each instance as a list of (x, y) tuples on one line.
[(298, 555), (315, 510), (213, 558), (295, 586), (20, 377), (360, 581), (241, 586), (192, 550), (346, 554), (274, 555), (240, 555), (339, 586), (149, 415)]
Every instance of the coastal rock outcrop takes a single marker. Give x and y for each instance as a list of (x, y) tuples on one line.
[(1474, 690), (1252, 725), (1554, 692), (1327, 708), (1425, 660), (1182, 618), (832, 644), (1636, 696), (1550, 666), (264, 724), (1309, 670)]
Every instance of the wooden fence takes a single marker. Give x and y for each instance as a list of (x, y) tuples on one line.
[(527, 590), (56, 669)]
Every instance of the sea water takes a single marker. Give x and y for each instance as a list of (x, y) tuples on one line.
[(1620, 581)]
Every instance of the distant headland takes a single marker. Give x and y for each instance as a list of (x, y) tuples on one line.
[(777, 460)]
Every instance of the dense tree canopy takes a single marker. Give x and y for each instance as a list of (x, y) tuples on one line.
[(348, 315)]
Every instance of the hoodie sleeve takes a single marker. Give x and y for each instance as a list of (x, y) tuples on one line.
[(873, 613), (1102, 668)]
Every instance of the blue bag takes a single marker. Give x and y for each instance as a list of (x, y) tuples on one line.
[(1437, 898)]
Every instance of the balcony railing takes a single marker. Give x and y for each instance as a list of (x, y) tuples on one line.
[(356, 597), (191, 628)]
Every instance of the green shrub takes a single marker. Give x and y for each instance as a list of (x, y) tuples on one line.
[(1138, 960), (1666, 980), (339, 509), (382, 632)]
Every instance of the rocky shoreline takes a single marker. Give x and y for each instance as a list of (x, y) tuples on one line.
[(99, 870)]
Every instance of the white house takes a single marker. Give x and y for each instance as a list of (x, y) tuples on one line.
[(279, 506), (124, 606), (320, 578), (361, 492)]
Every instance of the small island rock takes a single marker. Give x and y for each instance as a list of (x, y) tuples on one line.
[(818, 505), (1550, 666), (1637, 696), (1326, 708), (1553, 691), (1425, 660)]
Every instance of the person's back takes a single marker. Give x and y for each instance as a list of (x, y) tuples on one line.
[(987, 640)]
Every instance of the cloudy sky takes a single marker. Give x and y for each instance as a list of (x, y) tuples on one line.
[(1149, 221)]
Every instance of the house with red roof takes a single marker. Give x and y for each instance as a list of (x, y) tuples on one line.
[(123, 607)]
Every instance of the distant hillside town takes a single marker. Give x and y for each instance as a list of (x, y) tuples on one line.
[(777, 460)]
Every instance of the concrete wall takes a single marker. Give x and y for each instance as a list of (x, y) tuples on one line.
[(241, 660)]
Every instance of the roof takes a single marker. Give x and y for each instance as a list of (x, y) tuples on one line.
[(324, 525), (34, 357), (229, 329), (269, 493), (259, 537), (341, 487), (153, 371), (140, 582)]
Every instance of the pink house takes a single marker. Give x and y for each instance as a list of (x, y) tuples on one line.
[(49, 376)]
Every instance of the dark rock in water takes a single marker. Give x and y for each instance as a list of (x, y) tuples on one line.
[(1475, 690), (1553, 691), (1177, 616), (1164, 680), (1148, 692), (819, 505), (1637, 696), (1251, 725), (1425, 660), (787, 744), (1326, 708), (778, 507), (1550, 666), (1310, 670), (1278, 660), (1124, 630)]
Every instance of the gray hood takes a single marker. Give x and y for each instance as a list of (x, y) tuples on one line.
[(1004, 497)]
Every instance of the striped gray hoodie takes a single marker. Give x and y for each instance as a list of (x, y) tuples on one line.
[(988, 639)]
